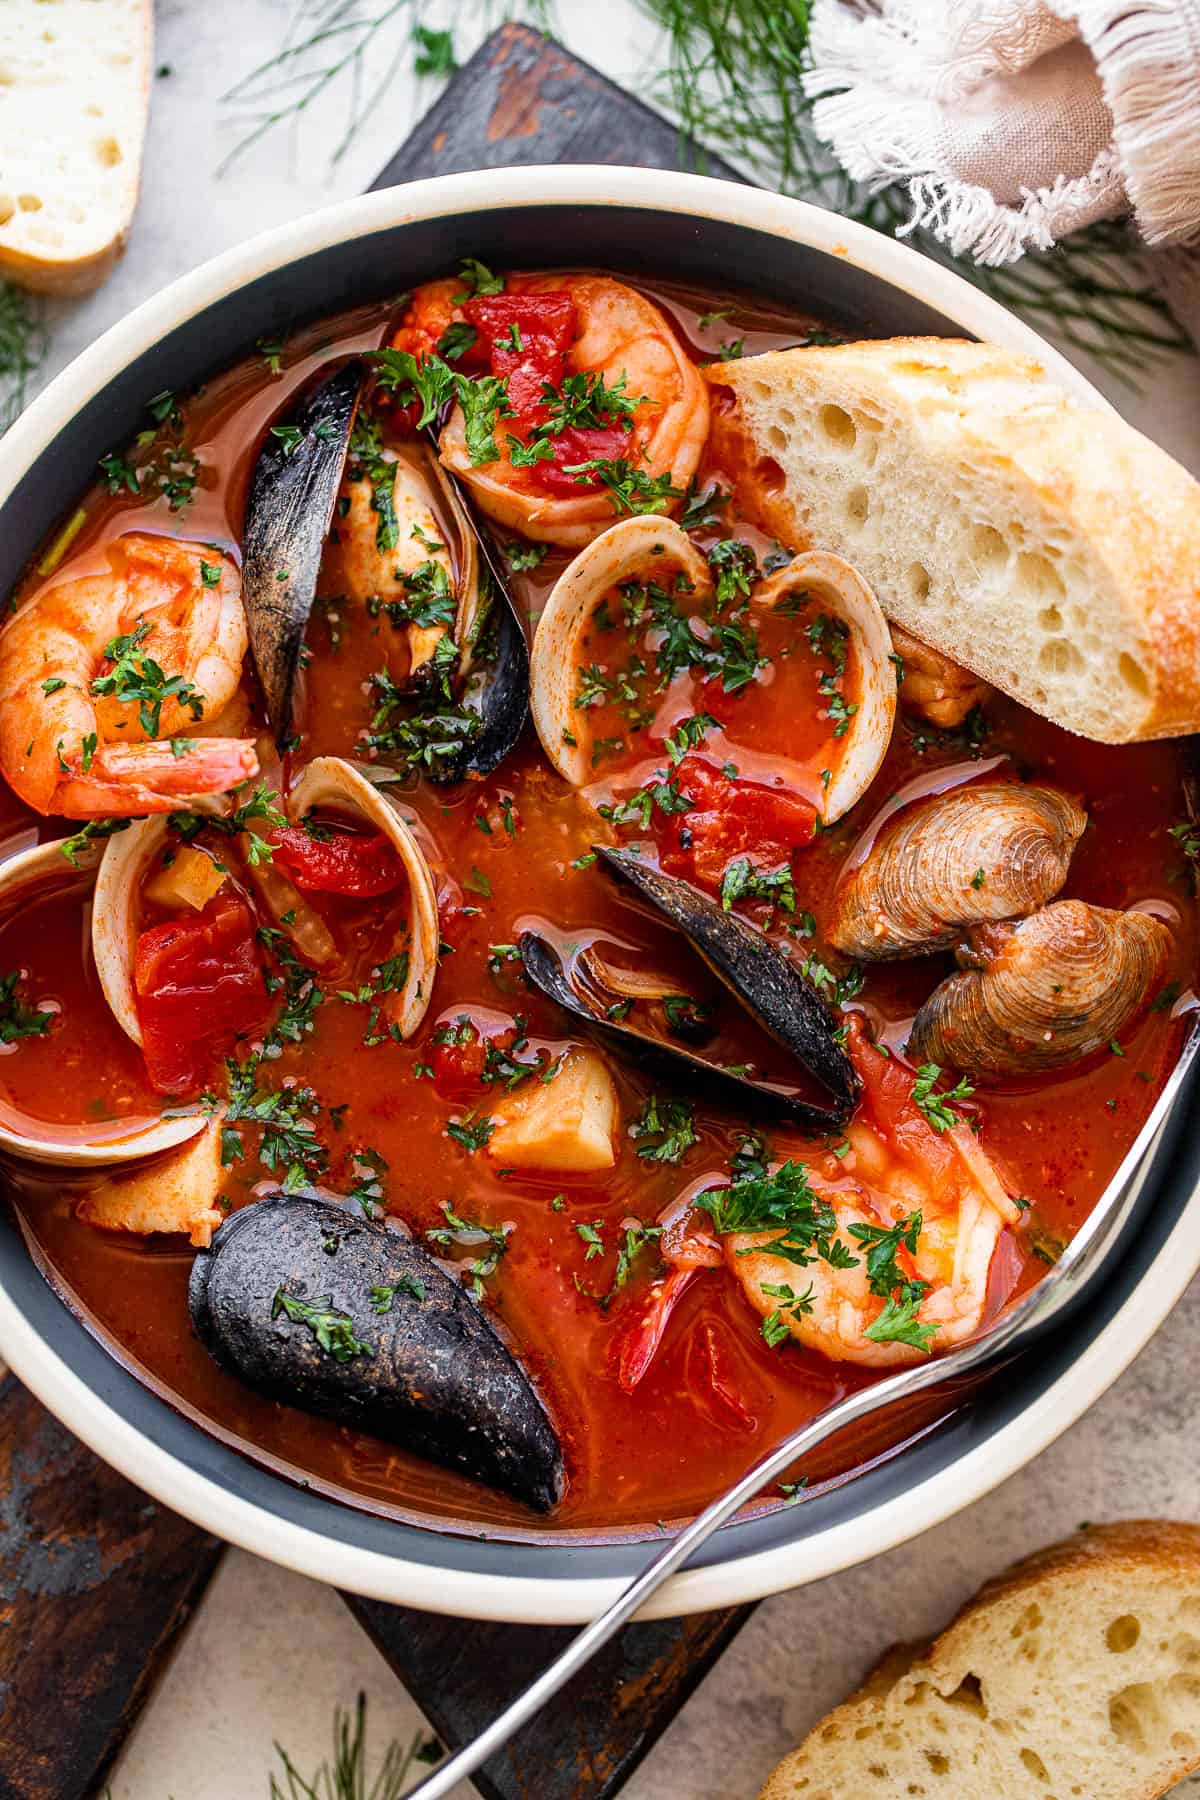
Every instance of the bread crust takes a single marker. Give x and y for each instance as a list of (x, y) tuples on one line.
[(1166, 1549), (1130, 507), (66, 275)]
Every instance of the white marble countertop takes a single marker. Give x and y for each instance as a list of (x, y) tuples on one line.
[(270, 1653)]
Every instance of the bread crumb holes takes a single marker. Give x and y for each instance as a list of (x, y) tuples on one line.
[(1123, 1634), (839, 427)]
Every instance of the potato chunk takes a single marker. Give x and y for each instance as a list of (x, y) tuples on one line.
[(568, 1123), (175, 1193), (190, 879)]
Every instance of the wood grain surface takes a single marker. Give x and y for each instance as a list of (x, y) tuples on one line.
[(96, 1582), (587, 1742)]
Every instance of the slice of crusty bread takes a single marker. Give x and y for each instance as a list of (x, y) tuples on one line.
[(74, 95), (1077, 1673), (1045, 546)]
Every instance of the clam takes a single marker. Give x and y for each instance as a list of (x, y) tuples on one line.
[(26, 877), (832, 586), (1044, 992), (747, 963), (646, 549), (329, 785), (323, 1310), (976, 854), (289, 507), (654, 549)]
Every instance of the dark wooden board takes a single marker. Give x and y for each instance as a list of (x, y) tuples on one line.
[(587, 1742), (523, 99), (96, 1582)]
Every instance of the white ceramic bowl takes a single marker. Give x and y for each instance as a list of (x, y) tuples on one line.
[(661, 223)]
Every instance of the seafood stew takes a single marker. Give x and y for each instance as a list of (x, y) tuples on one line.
[(627, 1083)]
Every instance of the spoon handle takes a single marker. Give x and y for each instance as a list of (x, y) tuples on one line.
[(671, 1557)]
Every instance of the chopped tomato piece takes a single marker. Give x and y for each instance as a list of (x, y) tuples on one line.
[(578, 444), (652, 1315), (730, 819), (458, 1059), (199, 986), (341, 863), (548, 321)]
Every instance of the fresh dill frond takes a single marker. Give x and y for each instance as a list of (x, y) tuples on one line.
[(731, 72), (344, 1776), (23, 344), (352, 52)]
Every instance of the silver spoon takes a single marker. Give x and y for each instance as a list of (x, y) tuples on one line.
[(1080, 1263)]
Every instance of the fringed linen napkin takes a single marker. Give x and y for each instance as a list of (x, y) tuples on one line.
[(1014, 122)]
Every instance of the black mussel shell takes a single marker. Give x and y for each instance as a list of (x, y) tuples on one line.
[(437, 1380), (753, 970), (497, 690), (544, 967), (289, 508)]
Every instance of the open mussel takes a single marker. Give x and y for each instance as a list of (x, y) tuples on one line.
[(410, 548), (289, 507), (326, 1311), (1042, 993), (981, 853), (748, 964)]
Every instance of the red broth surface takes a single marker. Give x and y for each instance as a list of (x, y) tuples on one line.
[(508, 849)]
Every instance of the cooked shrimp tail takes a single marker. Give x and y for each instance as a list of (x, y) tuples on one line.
[(130, 779)]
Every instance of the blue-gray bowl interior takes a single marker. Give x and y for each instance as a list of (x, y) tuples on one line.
[(377, 267)]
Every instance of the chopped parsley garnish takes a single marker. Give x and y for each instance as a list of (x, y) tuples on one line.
[(135, 677), (735, 570), (90, 833), (468, 1234), (472, 1135), (334, 1331), (17, 1019), (382, 1298), (630, 489), (939, 1108), (523, 556), (664, 1130), (742, 881), (476, 278)]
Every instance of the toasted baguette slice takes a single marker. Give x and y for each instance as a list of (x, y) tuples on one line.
[(74, 96), (1076, 1673), (1044, 546)]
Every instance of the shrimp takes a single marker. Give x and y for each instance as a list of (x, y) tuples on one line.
[(592, 326), (92, 726), (932, 685), (897, 1166)]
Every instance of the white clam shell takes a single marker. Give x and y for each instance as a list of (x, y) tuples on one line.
[(649, 547), (652, 548), (26, 874), (326, 782), (840, 590), (330, 782)]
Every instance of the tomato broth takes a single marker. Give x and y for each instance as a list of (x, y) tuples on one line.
[(569, 1261)]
